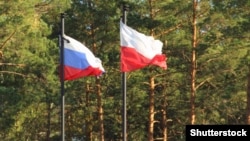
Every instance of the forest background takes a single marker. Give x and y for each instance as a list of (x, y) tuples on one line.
[(207, 81)]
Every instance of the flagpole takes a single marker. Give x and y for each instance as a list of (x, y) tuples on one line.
[(62, 76), (124, 90)]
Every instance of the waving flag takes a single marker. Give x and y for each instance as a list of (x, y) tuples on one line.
[(139, 50), (79, 61)]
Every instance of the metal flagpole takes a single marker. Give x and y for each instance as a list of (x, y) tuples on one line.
[(124, 90), (62, 76)]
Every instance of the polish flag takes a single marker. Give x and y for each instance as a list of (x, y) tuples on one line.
[(139, 50), (79, 61)]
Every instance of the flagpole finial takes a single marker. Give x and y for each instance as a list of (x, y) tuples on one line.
[(125, 7), (62, 15)]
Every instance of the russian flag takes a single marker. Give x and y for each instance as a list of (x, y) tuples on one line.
[(139, 50), (79, 61)]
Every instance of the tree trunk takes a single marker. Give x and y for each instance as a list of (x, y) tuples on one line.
[(248, 98), (88, 127), (151, 110), (98, 90), (152, 87), (193, 67), (164, 123), (100, 110)]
